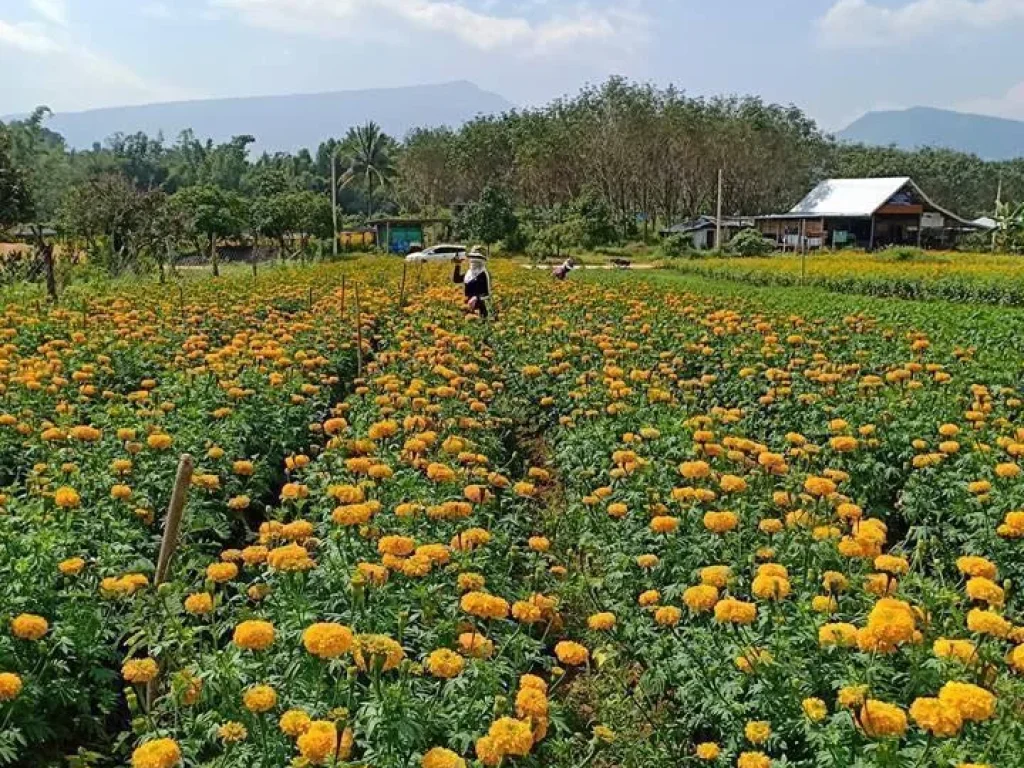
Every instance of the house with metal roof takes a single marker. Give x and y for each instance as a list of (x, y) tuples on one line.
[(865, 213), (703, 230)]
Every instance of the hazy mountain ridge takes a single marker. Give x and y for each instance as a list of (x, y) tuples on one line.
[(991, 138), (286, 123)]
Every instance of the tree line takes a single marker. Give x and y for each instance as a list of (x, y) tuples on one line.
[(615, 161)]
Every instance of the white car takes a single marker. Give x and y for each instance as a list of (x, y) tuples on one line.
[(435, 253)]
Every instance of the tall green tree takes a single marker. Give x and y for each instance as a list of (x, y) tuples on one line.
[(210, 213), (369, 155)]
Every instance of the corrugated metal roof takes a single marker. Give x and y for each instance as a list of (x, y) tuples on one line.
[(849, 197)]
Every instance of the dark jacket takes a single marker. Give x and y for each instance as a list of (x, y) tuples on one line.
[(477, 288)]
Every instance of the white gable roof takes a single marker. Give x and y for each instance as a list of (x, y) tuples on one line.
[(849, 197)]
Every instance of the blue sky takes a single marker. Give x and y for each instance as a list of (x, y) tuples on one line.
[(834, 58)]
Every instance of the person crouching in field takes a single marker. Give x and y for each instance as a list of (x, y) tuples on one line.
[(563, 271), (476, 281)]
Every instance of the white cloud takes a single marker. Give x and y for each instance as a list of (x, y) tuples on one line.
[(863, 24), (29, 38), (157, 10), (476, 29), (54, 11), (56, 69), (1010, 104)]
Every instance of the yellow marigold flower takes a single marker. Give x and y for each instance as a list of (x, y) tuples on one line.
[(158, 753), (971, 701), (732, 484), (770, 526), (988, 623), (601, 622), (439, 757), (841, 635), (1007, 470), (571, 653), (28, 626), (66, 498), (753, 760), (824, 604), (484, 605), (377, 650), (716, 575), (970, 565), (935, 717), (881, 720), (510, 736), (647, 561), (843, 444), (140, 670), (260, 698), (487, 751), (834, 581), (232, 732), (708, 751), (852, 696), (892, 564), (815, 709), (733, 611), (72, 566), (476, 645), (294, 723), (398, 546), (617, 510), (694, 470), (319, 742), (770, 587), (291, 557), (159, 441), (649, 598), (819, 486), (221, 572), (985, 590), (327, 640), (721, 522), (757, 731), (1016, 658), (532, 681), (701, 598), (471, 581), (667, 615), (254, 635), (10, 686), (531, 703), (445, 664), (664, 524), (962, 650)]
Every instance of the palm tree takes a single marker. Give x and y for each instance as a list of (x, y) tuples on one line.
[(369, 155)]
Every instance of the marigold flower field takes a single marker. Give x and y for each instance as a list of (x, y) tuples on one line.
[(630, 523), (950, 276)]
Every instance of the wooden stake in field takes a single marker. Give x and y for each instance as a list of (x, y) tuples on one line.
[(175, 510), (718, 217), (401, 292), (342, 295), (359, 334)]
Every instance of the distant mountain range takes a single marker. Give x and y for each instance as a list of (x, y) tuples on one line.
[(991, 138), (285, 123)]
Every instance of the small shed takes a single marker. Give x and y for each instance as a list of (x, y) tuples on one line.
[(401, 235), (866, 213), (703, 230)]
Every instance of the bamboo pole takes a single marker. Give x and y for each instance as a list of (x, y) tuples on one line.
[(718, 216), (401, 293), (342, 295), (175, 511), (359, 334)]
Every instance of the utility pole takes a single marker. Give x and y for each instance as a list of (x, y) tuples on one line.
[(718, 217), (334, 199)]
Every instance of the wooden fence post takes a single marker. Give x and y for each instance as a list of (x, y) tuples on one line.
[(172, 525), (343, 295)]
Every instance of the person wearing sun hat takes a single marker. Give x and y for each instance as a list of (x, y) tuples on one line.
[(476, 281)]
